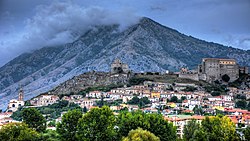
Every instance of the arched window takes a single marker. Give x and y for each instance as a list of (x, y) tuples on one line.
[(13, 105)]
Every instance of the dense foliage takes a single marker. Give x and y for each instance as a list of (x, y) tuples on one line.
[(190, 89), (34, 119), (68, 127), (247, 133), (140, 135), (102, 124), (141, 102), (213, 129), (51, 111), (96, 125), (18, 132), (225, 78), (190, 129), (137, 80), (216, 89), (116, 102), (155, 123)]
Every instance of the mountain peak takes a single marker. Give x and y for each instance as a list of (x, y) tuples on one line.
[(145, 46)]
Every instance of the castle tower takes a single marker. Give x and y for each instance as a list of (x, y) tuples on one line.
[(118, 67), (20, 94)]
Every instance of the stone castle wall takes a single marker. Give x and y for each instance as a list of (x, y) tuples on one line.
[(190, 76)]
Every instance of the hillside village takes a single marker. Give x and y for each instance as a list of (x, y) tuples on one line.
[(210, 90)]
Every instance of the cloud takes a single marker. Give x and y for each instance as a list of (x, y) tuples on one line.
[(60, 23), (239, 41)]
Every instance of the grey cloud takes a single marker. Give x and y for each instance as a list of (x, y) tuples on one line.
[(60, 23)]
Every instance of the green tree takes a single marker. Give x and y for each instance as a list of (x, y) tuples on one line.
[(183, 98), (141, 102), (198, 110), (247, 133), (190, 89), (18, 132), (68, 127), (135, 100), (241, 104), (215, 93), (145, 100), (225, 78), (17, 115), (190, 128), (155, 123), (174, 99), (140, 135), (217, 129), (85, 110), (96, 125), (50, 135), (34, 119), (52, 123)]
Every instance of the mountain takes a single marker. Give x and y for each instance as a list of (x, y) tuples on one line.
[(145, 46)]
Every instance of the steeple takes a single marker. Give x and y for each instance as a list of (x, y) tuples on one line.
[(20, 94)]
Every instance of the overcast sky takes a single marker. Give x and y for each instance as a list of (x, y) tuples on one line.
[(26, 25)]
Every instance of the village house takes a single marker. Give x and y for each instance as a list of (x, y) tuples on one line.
[(181, 120), (76, 96), (115, 96), (115, 108), (44, 100), (85, 102), (5, 115), (94, 94), (126, 98), (192, 103), (155, 94)]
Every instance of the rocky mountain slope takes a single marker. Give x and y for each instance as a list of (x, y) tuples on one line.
[(145, 46)]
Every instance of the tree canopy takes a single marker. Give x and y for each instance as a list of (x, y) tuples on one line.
[(225, 78), (154, 123), (140, 135), (18, 132), (34, 119), (68, 127), (96, 125), (247, 133), (190, 129), (141, 102), (216, 129)]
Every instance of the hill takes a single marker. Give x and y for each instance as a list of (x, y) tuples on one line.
[(145, 46)]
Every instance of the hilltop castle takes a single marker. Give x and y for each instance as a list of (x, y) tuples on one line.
[(118, 67), (213, 69)]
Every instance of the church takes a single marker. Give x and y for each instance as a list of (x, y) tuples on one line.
[(15, 104)]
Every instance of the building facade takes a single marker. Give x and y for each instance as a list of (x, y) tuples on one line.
[(15, 104), (213, 69)]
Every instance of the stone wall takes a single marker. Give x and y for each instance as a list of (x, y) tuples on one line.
[(90, 79), (190, 76)]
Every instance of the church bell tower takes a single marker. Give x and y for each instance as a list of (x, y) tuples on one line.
[(20, 94)]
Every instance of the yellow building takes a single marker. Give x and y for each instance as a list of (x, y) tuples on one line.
[(155, 95)]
